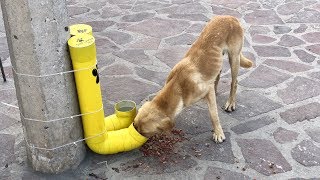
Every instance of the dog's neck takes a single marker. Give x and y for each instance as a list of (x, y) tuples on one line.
[(169, 100)]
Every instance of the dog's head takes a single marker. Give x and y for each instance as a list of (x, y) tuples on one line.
[(150, 120)]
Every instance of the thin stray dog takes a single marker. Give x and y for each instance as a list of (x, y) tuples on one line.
[(196, 77)]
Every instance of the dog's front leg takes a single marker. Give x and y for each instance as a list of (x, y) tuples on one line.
[(218, 134)]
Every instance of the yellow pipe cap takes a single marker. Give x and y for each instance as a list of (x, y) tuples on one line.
[(77, 29), (82, 49)]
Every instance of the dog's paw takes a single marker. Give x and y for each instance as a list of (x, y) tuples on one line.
[(218, 136), (230, 106)]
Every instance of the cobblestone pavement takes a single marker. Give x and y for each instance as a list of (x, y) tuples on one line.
[(273, 134)]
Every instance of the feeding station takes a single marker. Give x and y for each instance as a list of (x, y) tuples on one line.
[(104, 135)]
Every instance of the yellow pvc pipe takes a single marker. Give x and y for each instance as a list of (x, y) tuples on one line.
[(102, 133), (120, 119)]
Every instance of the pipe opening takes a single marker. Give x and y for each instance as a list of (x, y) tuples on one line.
[(125, 106)]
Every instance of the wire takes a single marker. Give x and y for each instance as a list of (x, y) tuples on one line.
[(75, 142), (59, 119), (53, 74)]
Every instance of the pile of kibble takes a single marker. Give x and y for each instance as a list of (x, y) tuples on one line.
[(162, 146)]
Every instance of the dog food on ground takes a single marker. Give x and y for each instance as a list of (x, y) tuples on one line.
[(162, 146)]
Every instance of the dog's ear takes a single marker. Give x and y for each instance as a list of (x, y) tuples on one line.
[(165, 124)]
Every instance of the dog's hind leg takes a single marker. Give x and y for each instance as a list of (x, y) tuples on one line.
[(218, 135), (234, 60), (216, 82)]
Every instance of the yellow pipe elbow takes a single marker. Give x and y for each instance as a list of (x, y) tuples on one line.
[(125, 111), (117, 141), (103, 135)]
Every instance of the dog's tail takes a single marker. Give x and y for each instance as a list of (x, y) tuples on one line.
[(245, 62)]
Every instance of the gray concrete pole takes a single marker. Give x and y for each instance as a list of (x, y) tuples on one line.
[(37, 36)]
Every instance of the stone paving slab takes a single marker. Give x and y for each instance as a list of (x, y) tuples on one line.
[(274, 132)]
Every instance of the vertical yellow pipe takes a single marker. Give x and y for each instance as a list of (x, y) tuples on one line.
[(83, 54)]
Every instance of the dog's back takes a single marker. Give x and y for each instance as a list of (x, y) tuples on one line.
[(222, 34), (220, 31)]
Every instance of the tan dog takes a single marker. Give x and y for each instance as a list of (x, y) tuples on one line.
[(196, 77)]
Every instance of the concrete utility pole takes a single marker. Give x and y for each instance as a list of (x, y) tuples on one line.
[(37, 36)]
